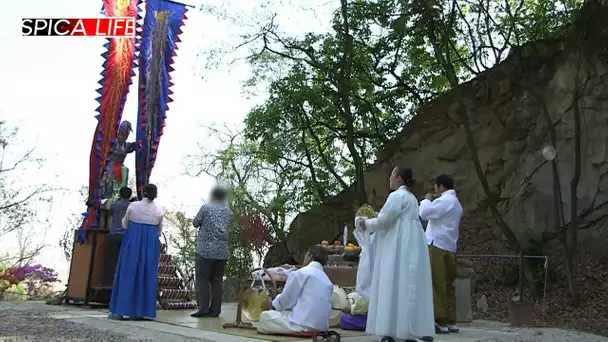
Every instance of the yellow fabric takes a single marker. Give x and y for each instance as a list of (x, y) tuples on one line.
[(360, 306), (443, 269)]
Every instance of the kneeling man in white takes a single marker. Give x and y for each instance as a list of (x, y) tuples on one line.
[(307, 294)]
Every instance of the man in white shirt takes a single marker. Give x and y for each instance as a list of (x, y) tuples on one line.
[(443, 215), (307, 293)]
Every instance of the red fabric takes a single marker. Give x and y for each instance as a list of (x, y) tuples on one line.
[(117, 170), (302, 334)]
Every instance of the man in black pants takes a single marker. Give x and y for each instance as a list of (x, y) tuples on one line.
[(117, 232), (213, 221)]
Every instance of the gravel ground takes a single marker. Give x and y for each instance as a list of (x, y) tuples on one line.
[(31, 321), (16, 325), (535, 334)]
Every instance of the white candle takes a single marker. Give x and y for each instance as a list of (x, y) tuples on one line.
[(345, 235)]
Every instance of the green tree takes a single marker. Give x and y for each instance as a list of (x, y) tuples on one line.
[(335, 99), (270, 190), (21, 200), (182, 240)]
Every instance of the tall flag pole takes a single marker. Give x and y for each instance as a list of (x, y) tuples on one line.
[(162, 26), (116, 77)]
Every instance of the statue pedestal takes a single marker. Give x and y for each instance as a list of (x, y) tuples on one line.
[(464, 290)]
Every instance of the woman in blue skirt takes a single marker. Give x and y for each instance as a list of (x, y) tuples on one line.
[(135, 284)]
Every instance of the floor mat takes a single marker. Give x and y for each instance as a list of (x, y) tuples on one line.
[(182, 318)]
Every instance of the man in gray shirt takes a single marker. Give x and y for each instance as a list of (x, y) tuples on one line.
[(118, 209), (213, 221)]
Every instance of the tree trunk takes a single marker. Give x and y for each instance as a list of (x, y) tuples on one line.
[(572, 230), (344, 89), (558, 211)]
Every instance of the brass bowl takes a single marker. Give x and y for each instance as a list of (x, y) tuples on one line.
[(366, 211)]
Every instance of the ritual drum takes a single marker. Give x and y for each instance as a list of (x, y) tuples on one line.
[(256, 295), (253, 298), (338, 302)]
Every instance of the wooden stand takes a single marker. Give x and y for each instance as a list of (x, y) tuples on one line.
[(87, 265), (238, 323)]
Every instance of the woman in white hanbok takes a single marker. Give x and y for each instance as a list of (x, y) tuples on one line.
[(401, 299)]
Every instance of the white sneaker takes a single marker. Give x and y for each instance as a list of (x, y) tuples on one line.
[(453, 329)]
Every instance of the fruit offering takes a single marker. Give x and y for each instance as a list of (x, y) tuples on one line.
[(350, 247), (337, 247)]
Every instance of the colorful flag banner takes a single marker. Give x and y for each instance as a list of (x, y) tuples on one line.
[(160, 35), (118, 70)]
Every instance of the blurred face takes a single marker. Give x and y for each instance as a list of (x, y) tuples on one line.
[(394, 181)]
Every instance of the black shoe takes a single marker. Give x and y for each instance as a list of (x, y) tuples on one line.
[(213, 315), (199, 314), (427, 339), (387, 339)]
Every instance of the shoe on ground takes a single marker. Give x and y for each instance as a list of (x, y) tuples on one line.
[(441, 329), (115, 317), (427, 338), (199, 314), (453, 329)]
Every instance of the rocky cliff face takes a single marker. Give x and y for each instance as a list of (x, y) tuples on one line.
[(507, 107)]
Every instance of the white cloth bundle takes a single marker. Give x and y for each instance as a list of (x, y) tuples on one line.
[(366, 259)]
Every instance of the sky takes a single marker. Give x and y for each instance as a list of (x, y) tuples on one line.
[(47, 90)]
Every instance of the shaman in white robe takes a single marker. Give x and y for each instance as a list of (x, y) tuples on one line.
[(401, 300), (307, 294)]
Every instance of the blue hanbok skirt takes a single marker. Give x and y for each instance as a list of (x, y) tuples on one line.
[(135, 284)]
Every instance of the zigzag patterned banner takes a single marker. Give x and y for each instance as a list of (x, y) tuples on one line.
[(118, 70), (160, 35)]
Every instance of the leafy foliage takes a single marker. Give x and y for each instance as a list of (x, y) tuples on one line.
[(15, 199), (182, 239), (268, 190), (336, 98), (21, 201)]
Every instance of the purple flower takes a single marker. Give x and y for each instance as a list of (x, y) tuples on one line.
[(34, 272)]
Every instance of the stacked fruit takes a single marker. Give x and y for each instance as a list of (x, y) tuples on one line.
[(338, 248)]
